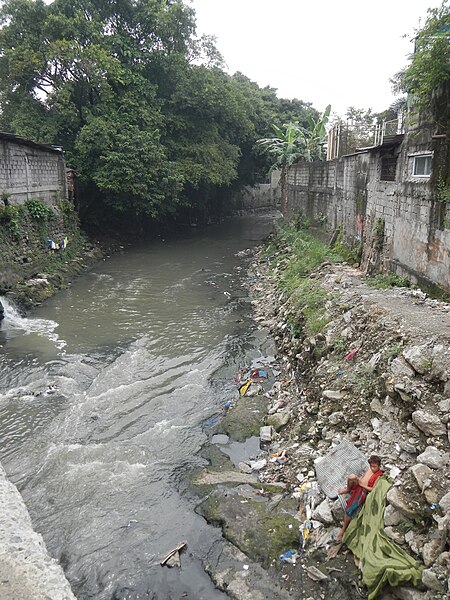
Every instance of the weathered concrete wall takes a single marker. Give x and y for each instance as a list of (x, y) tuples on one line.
[(29, 170), (26, 570), (261, 196), (403, 225)]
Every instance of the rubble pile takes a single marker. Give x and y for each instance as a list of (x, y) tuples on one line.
[(377, 375)]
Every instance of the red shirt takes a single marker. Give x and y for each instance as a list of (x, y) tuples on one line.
[(372, 481)]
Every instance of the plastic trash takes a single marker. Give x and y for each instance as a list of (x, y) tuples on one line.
[(290, 556), (351, 355)]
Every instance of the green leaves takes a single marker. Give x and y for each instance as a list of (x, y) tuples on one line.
[(429, 65)]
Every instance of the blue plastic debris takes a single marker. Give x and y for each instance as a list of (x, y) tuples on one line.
[(289, 556), (211, 421)]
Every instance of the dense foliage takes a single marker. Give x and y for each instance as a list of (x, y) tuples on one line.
[(142, 107), (429, 65)]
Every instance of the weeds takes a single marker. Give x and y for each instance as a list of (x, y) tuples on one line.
[(385, 281)]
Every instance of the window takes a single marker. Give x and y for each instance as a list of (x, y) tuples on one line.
[(422, 165), (388, 168)]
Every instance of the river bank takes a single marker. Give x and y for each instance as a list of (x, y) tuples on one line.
[(352, 362)]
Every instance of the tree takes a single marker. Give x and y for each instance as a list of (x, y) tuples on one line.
[(429, 65), (292, 142)]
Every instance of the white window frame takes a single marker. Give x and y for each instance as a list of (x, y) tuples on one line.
[(416, 156)]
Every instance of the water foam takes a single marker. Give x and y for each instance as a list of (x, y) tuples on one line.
[(14, 322)]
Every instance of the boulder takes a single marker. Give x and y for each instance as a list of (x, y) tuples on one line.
[(279, 419), (419, 357), (429, 423), (422, 474), (399, 501), (323, 513), (400, 368), (434, 458), (336, 417), (444, 503), (431, 581), (432, 549), (333, 395), (391, 516)]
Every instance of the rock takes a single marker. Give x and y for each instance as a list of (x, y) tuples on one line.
[(444, 503), (431, 581), (429, 423), (398, 501), (215, 478), (399, 368), (419, 357), (323, 513), (421, 473), (220, 439), (432, 549), (258, 464), (391, 516), (433, 458), (266, 433), (245, 468), (408, 594), (335, 418), (396, 536), (333, 395), (2, 312), (444, 404), (279, 419)]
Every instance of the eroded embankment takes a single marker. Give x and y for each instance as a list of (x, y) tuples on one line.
[(41, 249), (367, 365)]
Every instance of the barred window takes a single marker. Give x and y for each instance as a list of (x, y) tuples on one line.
[(388, 168)]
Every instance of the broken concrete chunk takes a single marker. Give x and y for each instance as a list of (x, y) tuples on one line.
[(323, 513), (444, 503), (398, 500), (333, 395), (400, 368), (429, 423), (315, 574), (432, 549), (431, 581), (394, 535), (422, 474), (266, 433), (434, 458), (279, 419), (419, 357), (391, 516)]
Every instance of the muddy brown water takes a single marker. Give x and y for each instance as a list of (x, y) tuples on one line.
[(104, 395)]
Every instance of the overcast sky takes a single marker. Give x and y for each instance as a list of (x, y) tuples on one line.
[(334, 52)]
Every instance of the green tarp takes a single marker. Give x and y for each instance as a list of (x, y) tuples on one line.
[(383, 562)]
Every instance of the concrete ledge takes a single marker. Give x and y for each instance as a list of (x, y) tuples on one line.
[(27, 572)]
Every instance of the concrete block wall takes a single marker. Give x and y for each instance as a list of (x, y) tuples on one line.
[(29, 170), (349, 192)]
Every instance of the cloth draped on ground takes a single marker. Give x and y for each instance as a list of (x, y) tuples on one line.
[(383, 562)]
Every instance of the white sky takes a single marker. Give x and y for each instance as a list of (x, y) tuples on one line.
[(338, 52)]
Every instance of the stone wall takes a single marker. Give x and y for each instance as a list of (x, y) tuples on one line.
[(30, 170), (402, 225)]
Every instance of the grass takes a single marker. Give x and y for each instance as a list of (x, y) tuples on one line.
[(293, 255), (384, 281)]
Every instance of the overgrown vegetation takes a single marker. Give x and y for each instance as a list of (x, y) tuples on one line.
[(429, 65), (145, 112), (294, 254), (384, 281)]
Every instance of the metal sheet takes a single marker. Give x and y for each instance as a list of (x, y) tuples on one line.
[(333, 469)]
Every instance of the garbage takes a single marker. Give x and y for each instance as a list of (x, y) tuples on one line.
[(243, 389), (253, 390), (211, 421), (351, 355), (172, 559), (258, 374), (315, 574), (258, 464), (290, 556)]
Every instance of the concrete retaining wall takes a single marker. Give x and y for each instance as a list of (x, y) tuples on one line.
[(26, 570), (402, 225), (29, 170)]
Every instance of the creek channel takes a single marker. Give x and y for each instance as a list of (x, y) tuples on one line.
[(105, 393)]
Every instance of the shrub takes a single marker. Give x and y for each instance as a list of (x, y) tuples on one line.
[(39, 211)]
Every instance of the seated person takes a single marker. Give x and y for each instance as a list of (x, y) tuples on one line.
[(375, 472), (358, 491)]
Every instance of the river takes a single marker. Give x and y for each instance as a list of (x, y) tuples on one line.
[(105, 394)]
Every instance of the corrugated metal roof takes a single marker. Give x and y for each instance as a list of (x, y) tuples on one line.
[(17, 139)]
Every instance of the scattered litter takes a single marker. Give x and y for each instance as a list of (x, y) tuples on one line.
[(253, 390), (172, 559), (315, 574), (351, 355), (394, 472), (245, 567), (333, 551), (258, 374), (258, 464), (243, 389), (290, 556), (433, 506), (211, 421)]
